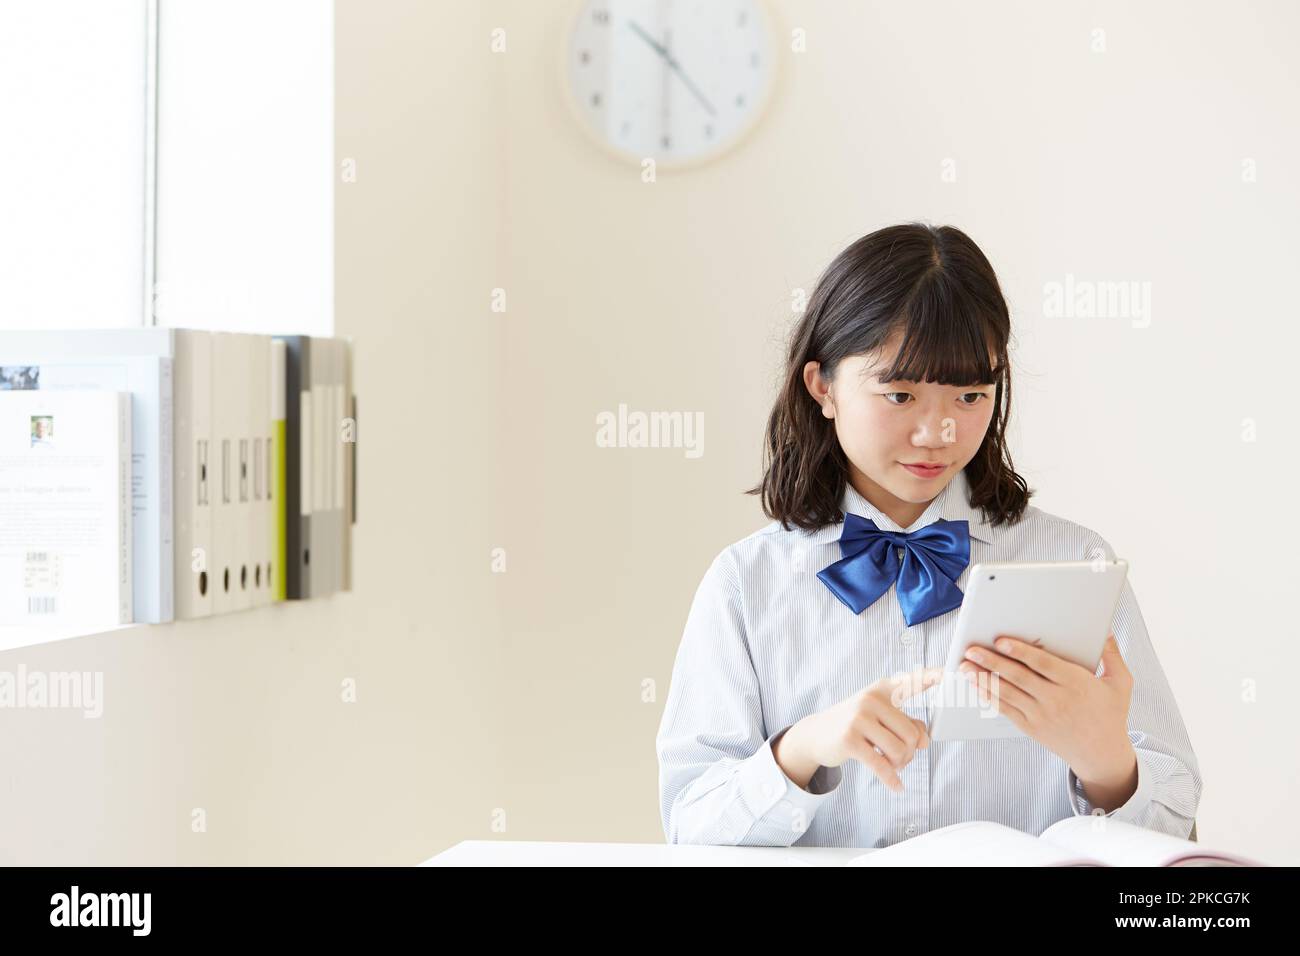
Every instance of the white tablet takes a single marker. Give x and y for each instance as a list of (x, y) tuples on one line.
[(1064, 607)]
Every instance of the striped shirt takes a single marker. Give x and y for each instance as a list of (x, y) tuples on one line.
[(766, 644)]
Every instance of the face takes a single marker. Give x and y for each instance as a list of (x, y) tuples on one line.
[(885, 426)]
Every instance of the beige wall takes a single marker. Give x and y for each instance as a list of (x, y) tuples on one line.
[(518, 697)]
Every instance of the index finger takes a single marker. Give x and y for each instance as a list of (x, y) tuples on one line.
[(910, 683), (1056, 669)]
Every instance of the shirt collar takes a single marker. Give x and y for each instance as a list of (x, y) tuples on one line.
[(951, 504)]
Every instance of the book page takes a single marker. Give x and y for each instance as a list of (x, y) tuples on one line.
[(1119, 843), (974, 843)]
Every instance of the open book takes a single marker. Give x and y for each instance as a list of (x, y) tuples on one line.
[(1074, 841)]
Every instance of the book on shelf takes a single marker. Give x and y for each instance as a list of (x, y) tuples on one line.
[(139, 361), (65, 508)]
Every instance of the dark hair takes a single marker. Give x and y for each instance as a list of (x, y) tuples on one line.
[(936, 285)]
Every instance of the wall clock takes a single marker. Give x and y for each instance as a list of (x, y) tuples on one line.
[(679, 81)]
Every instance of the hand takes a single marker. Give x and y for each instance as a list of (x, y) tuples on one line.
[(866, 726), (1077, 715)]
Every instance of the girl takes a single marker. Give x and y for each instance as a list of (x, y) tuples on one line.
[(794, 713)]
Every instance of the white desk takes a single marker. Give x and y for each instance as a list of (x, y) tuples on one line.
[(530, 853)]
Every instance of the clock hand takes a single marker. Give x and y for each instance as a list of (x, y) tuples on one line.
[(658, 47), (676, 67)]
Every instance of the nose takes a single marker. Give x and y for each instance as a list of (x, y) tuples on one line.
[(933, 429)]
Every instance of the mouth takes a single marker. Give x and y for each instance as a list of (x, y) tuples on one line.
[(925, 469)]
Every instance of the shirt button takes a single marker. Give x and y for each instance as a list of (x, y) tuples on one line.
[(910, 829), (906, 638)]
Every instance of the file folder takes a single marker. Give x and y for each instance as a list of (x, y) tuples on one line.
[(277, 567), (298, 455), (259, 509), (192, 376)]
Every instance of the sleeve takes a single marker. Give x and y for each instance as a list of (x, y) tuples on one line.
[(1169, 780), (718, 780)]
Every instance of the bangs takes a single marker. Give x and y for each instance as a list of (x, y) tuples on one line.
[(945, 339)]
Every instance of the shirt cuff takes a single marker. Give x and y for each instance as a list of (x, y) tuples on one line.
[(764, 785), (1127, 811)]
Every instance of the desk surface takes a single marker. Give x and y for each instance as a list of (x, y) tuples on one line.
[(530, 853)]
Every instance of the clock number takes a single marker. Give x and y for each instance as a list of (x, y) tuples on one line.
[(601, 17)]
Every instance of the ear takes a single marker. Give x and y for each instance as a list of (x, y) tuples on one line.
[(818, 389)]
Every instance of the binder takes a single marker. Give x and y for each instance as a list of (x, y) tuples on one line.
[(229, 431), (237, 381), (297, 474), (276, 458), (194, 478), (323, 444), (259, 431), (338, 458)]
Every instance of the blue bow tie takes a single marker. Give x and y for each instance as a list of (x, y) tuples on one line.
[(934, 558)]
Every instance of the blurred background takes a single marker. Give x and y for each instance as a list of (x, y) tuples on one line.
[(509, 277)]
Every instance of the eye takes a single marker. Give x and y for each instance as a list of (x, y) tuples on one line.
[(978, 396), (891, 402)]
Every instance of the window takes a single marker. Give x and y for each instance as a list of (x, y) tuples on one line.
[(167, 162), (245, 193), (73, 97)]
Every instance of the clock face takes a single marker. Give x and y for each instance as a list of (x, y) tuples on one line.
[(678, 81)]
